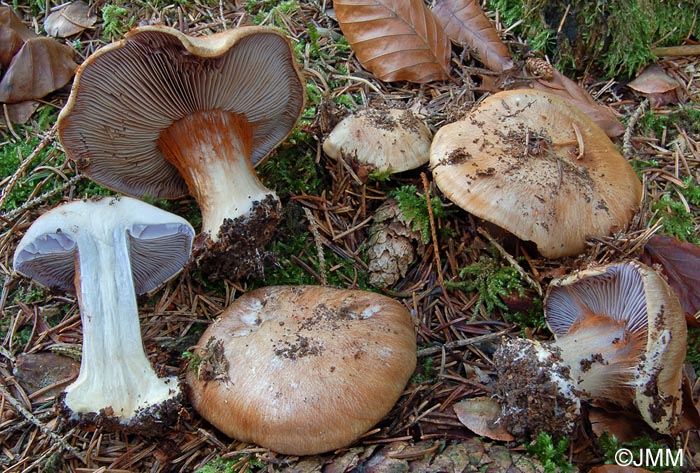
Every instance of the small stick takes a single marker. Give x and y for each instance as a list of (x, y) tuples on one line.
[(433, 232), (48, 139), (684, 50), (7, 219), (464, 342), (319, 246), (631, 125), (534, 284), (47, 431)]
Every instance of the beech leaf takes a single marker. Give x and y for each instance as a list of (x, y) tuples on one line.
[(559, 84), (465, 23), (41, 66), (396, 40), (680, 262), (481, 416), (71, 19), (13, 34)]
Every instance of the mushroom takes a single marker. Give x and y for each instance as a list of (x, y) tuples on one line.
[(622, 331), (162, 114), (302, 369), (380, 140), (108, 251), (536, 166), (620, 338)]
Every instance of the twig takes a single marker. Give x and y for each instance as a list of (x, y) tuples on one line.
[(48, 139), (433, 233), (464, 342), (631, 125), (9, 122), (39, 199), (319, 246), (683, 50), (47, 431), (534, 284)]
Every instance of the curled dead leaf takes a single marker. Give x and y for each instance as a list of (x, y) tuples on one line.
[(13, 34), (481, 416), (396, 41), (680, 263), (41, 66), (465, 23), (657, 85), (560, 85), (21, 112), (69, 20)]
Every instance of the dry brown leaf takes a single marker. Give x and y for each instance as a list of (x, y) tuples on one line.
[(396, 40), (680, 263), (564, 87), (41, 66), (13, 34), (465, 22), (72, 19), (657, 85), (480, 415), (21, 112)]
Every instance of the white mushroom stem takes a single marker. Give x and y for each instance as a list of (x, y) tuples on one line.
[(212, 150), (115, 372)]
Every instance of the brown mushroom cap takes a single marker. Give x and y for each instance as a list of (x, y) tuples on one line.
[(384, 139), (622, 330), (538, 167), (303, 369), (128, 92)]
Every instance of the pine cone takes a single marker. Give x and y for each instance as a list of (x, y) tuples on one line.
[(391, 247)]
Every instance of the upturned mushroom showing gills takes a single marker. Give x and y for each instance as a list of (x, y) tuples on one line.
[(106, 252), (163, 114), (622, 331), (380, 140), (620, 338), (303, 369), (536, 166)]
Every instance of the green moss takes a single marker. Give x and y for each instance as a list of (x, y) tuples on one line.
[(415, 208), (238, 464), (491, 280), (610, 36), (609, 445), (683, 117), (425, 373), (115, 22), (676, 220), (293, 170), (552, 455)]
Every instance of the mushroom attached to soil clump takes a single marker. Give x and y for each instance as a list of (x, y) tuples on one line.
[(303, 369), (380, 140), (161, 114), (536, 166), (106, 252), (621, 337)]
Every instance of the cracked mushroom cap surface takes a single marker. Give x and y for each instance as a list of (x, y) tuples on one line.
[(386, 140), (303, 369), (538, 167), (128, 92), (638, 300)]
